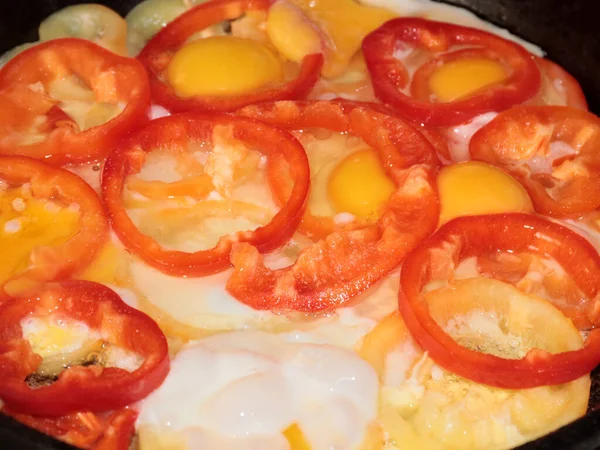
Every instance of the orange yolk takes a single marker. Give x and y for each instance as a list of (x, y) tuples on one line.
[(460, 78), (292, 27), (105, 268), (222, 65), (27, 223), (295, 438), (473, 188), (359, 185), (290, 30)]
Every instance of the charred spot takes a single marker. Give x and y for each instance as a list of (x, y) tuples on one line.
[(226, 26), (37, 380)]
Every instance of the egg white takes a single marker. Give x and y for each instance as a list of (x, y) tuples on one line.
[(231, 389)]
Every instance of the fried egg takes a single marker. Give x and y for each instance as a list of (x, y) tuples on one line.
[(250, 387), (237, 66), (62, 341), (27, 223), (423, 406), (473, 188)]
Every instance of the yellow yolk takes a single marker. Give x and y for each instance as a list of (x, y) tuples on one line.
[(359, 185), (473, 188), (222, 65), (49, 336), (105, 268), (290, 30), (27, 223), (460, 78), (295, 438), (344, 23)]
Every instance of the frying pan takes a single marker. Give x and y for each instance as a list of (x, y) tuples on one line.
[(567, 31)]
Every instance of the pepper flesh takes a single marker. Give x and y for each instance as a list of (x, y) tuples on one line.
[(24, 101), (513, 232), (335, 269), (390, 76), (157, 54), (79, 388)]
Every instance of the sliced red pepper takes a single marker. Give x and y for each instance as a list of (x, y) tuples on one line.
[(390, 76), (94, 388), (176, 132), (432, 134), (52, 183), (120, 428), (464, 237), (29, 111), (157, 54), (557, 82), (85, 429), (335, 269), (523, 271), (551, 150)]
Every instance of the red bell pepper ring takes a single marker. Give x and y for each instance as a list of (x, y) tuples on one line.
[(85, 429), (551, 150), (176, 131), (476, 235), (157, 54), (79, 388), (558, 80), (337, 268), (120, 428), (53, 183), (390, 76), (25, 102)]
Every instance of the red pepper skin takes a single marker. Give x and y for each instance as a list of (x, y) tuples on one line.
[(516, 136), (118, 432), (176, 131), (558, 79), (47, 182), (157, 54), (112, 78), (475, 235), (78, 388), (85, 430), (390, 76), (334, 270)]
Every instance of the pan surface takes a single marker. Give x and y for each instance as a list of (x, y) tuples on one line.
[(566, 30)]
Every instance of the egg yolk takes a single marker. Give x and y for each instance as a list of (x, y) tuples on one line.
[(359, 185), (106, 266), (295, 437), (473, 188), (50, 336), (222, 65), (27, 223), (457, 79), (343, 24), (290, 30)]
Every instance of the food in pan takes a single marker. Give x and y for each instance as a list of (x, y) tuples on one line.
[(294, 225)]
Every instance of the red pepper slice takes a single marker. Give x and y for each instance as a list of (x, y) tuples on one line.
[(551, 150), (157, 54), (475, 235), (390, 77), (556, 81), (120, 428), (176, 131), (27, 108), (85, 429), (335, 269), (52, 183), (79, 388)]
